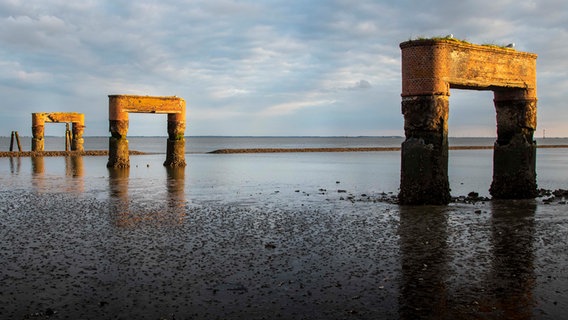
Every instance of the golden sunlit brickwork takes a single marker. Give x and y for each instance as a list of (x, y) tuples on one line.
[(38, 128), (119, 108), (430, 68), (435, 66)]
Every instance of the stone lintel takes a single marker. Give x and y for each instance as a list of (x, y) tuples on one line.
[(40, 118), (433, 66), (121, 105)]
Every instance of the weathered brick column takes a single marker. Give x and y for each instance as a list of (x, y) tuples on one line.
[(121, 105), (424, 153), (430, 68), (175, 150), (514, 152), (77, 141), (118, 156), (38, 128)]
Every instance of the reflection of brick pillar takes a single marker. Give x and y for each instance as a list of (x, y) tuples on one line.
[(514, 154), (38, 127), (38, 165), (175, 151), (425, 253), (513, 241), (424, 153), (118, 187)]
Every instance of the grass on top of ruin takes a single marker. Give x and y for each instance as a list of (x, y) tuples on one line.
[(451, 37)]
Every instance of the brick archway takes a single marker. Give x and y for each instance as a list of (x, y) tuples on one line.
[(430, 68), (121, 105), (38, 128)]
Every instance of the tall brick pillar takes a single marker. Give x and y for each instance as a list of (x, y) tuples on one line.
[(38, 128), (118, 156), (424, 153), (425, 106), (77, 141), (175, 150), (514, 154)]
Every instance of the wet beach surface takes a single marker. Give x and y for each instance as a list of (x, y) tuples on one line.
[(80, 241)]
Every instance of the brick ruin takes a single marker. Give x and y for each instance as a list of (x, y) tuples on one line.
[(119, 108), (38, 128), (430, 68)]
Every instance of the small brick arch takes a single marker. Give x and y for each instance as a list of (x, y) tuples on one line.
[(39, 119), (430, 68), (121, 105)]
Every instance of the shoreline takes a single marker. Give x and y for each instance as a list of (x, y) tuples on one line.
[(347, 149), (16, 154), (4, 154)]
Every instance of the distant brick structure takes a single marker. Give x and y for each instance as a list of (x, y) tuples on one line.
[(38, 128), (121, 105), (430, 68)]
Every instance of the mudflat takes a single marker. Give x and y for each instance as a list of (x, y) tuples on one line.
[(68, 256), (274, 236)]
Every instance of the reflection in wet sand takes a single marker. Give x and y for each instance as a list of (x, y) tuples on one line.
[(512, 273), (118, 183), (176, 186), (15, 165), (74, 170), (498, 284), (38, 169), (38, 165), (118, 188), (74, 166), (127, 212), (424, 262)]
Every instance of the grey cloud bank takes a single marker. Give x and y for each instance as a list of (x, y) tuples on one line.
[(261, 67)]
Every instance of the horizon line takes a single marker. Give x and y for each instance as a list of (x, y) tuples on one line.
[(282, 136)]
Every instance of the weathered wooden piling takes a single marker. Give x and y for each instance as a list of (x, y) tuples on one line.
[(15, 136)]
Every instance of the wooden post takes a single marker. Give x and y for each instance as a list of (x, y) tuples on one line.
[(67, 140), (12, 142), (18, 141), (15, 136)]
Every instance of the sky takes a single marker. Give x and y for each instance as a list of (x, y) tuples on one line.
[(262, 68)]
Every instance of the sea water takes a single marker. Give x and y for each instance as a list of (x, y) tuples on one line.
[(359, 172)]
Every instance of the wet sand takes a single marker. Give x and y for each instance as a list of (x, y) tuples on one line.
[(289, 236), (339, 256), (61, 153)]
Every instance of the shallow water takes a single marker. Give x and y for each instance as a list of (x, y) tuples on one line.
[(287, 236)]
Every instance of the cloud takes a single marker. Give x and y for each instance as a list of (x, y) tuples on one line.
[(363, 84), (13, 73), (225, 93), (272, 64), (359, 85), (293, 107)]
